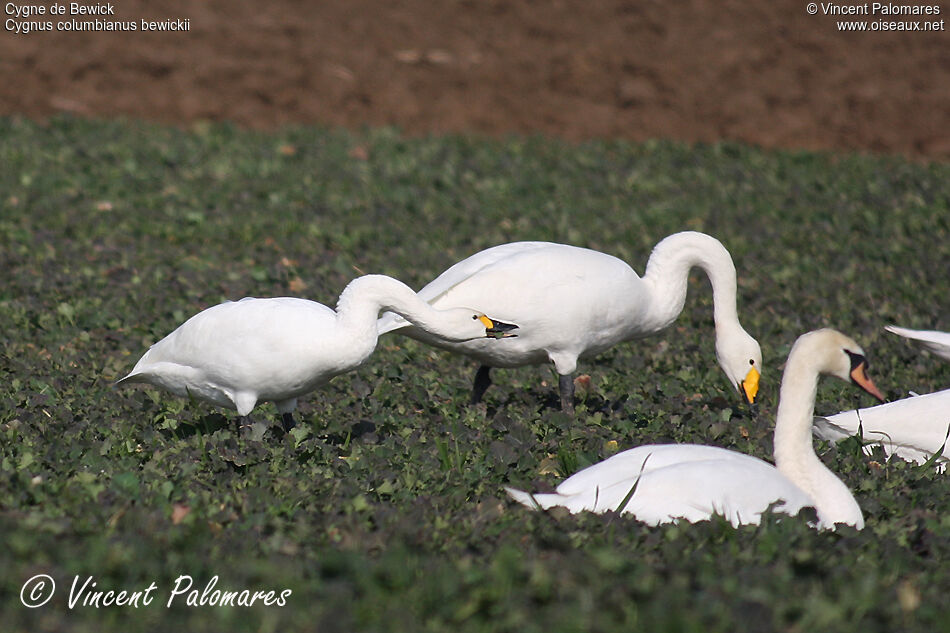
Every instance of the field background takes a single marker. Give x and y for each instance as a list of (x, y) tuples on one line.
[(694, 70), (147, 177)]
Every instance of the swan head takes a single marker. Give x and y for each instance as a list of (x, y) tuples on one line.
[(740, 357), (459, 325), (833, 353), (495, 328)]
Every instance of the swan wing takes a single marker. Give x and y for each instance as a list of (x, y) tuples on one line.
[(738, 489), (629, 464), (912, 428), (937, 343), (457, 274), (735, 486), (252, 344), (469, 267), (568, 302), (249, 329)]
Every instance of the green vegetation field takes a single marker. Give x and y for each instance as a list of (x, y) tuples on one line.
[(384, 509)]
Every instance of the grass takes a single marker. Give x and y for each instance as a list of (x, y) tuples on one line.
[(384, 509)]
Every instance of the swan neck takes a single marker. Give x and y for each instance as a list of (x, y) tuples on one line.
[(794, 452), (365, 297), (667, 274), (793, 448)]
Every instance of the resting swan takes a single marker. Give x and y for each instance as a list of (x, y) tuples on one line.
[(912, 428), (238, 353), (694, 482), (575, 303)]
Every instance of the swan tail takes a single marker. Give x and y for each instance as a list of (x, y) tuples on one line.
[(533, 501), (128, 380)]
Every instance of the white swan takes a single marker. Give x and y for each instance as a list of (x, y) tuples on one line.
[(236, 354), (912, 428), (574, 303), (694, 482)]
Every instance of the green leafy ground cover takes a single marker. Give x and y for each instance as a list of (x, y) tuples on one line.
[(384, 510)]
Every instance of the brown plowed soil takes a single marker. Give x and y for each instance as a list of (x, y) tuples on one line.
[(695, 70)]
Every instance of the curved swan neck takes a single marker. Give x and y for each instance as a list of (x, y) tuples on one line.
[(667, 274), (794, 452), (365, 297), (793, 448)]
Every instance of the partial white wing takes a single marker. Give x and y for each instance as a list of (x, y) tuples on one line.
[(931, 340), (912, 428), (629, 464), (690, 482), (455, 275)]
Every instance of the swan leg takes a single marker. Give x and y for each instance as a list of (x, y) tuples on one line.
[(286, 410), (565, 383), (288, 421), (482, 382)]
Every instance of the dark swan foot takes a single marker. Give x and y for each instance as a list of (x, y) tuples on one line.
[(287, 419), (482, 382)]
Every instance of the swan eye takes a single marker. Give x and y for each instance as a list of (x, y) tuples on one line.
[(752, 362), (857, 359)]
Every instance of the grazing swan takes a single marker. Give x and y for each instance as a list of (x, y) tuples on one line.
[(912, 428), (694, 482), (574, 303), (238, 353)]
